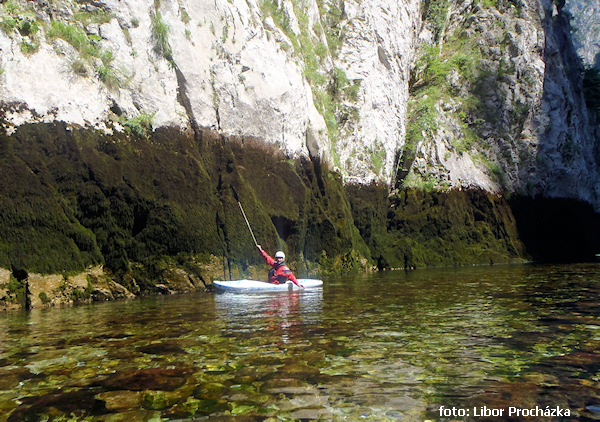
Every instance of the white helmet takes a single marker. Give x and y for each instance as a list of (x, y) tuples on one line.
[(280, 254)]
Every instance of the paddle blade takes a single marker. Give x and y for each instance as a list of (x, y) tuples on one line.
[(235, 195)]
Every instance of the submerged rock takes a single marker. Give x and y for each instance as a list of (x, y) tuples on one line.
[(148, 379), (121, 401), (78, 403), (162, 348)]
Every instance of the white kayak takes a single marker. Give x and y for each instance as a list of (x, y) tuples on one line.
[(255, 285)]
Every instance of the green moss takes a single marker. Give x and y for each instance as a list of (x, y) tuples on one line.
[(17, 291), (421, 229), (44, 298), (132, 202), (79, 296)]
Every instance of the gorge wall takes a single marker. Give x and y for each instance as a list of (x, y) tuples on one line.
[(358, 135)]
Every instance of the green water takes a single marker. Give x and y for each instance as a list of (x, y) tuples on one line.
[(388, 346)]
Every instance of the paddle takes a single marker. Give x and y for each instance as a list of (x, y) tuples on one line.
[(237, 198)]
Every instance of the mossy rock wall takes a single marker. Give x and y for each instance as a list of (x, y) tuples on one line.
[(159, 207), (412, 229), (72, 198)]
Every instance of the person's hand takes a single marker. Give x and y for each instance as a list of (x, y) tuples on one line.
[(259, 247)]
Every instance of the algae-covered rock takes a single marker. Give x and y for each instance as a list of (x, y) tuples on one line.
[(158, 400), (121, 400), (6, 301), (50, 287), (194, 406), (13, 291), (78, 404), (414, 228), (158, 214), (148, 379)]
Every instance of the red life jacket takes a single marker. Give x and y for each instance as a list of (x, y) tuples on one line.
[(280, 274)]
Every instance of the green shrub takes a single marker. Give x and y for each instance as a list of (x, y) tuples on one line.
[(8, 24), (140, 125), (74, 35), (27, 27), (10, 7), (17, 291), (44, 298), (280, 17), (98, 16), (160, 36), (332, 15), (29, 48), (79, 67), (436, 13), (109, 76)]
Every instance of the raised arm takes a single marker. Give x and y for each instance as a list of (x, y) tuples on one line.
[(266, 256)]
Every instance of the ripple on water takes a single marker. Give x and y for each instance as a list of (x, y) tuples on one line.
[(495, 337)]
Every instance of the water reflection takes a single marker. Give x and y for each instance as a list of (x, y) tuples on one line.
[(387, 346), (283, 315)]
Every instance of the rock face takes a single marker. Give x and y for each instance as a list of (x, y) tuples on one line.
[(328, 79), (586, 25), (379, 46), (506, 112), (568, 153), (210, 64)]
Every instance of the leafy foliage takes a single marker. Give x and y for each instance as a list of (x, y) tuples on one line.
[(436, 14), (17, 291)]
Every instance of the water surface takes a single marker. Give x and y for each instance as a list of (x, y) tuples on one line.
[(387, 346)]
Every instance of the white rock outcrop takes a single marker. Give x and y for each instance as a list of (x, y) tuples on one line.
[(269, 69)]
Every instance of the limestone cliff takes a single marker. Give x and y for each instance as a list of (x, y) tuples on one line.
[(498, 104), (313, 78), (326, 78), (585, 23)]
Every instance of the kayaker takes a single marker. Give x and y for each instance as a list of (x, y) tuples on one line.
[(280, 273)]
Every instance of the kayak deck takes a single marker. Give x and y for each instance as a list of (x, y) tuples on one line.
[(255, 285)]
